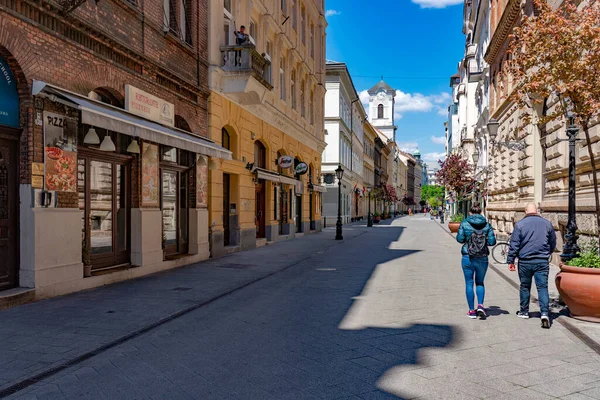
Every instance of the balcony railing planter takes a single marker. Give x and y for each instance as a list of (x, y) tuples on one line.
[(245, 59)]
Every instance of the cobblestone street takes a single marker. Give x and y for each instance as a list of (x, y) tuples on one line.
[(380, 315)]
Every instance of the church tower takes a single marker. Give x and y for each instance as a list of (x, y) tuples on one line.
[(381, 109)]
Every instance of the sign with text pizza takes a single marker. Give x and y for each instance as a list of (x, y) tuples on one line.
[(60, 141), (149, 106)]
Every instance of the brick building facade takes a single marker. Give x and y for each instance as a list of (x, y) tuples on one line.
[(127, 71)]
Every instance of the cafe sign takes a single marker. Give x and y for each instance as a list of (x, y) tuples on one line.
[(149, 106), (301, 168), (285, 161)]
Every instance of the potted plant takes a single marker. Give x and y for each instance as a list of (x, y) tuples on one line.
[(578, 283), (85, 258), (376, 218), (455, 221)]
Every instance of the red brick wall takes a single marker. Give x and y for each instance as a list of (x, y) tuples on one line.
[(108, 44)]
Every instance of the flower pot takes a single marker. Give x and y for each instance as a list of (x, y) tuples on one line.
[(87, 271), (453, 226), (580, 290)]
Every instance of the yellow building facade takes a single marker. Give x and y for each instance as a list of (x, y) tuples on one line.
[(266, 106)]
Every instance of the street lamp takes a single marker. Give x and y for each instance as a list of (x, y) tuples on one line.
[(570, 248), (493, 126), (369, 217), (475, 157), (339, 172)]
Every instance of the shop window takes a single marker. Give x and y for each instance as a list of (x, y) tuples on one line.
[(225, 139), (260, 155), (175, 199)]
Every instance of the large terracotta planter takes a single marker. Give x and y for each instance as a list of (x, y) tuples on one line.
[(580, 290), (453, 226)]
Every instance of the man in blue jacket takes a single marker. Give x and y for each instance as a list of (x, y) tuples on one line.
[(533, 240)]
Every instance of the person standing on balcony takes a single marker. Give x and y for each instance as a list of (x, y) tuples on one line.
[(533, 240), (476, 234), (241, 37)]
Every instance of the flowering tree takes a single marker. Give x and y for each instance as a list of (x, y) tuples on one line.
[(408, 200), (456, 173), (556, 55)]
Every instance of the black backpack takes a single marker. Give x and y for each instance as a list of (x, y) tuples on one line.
[(477, 244)]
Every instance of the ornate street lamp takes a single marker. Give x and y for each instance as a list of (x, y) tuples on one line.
[(493, 126), (369, 216), (339, 172), (570, 248)]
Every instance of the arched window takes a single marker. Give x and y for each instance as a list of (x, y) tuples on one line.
[(108, 96), (225, 139), (260, 155), (380, 111), (302, 99), (181, 123)]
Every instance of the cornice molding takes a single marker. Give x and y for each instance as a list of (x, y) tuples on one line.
[(507, 21)]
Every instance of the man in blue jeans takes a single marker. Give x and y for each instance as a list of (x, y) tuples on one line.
[(533, 240)]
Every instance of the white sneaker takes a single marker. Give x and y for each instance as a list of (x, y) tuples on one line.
[(523, 315)]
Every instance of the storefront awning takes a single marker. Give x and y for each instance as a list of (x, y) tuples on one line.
[(105, 116), (267, 175), (320, 189)]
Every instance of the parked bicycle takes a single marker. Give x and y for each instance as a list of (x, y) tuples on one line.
[(500, 250)]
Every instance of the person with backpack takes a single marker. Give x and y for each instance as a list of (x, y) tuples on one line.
[(476, 234)]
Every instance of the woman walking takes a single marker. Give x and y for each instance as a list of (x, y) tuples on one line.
[(476, 234)]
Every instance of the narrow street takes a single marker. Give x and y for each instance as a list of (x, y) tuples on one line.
[(380, 315)]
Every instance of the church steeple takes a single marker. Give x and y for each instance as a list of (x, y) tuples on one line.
[(381, 108)]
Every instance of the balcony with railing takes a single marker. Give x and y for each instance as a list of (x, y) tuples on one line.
[(247, 73)]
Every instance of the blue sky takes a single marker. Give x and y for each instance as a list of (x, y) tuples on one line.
[(416, 45)]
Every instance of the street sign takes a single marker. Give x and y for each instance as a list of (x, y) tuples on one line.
[(285, 161)]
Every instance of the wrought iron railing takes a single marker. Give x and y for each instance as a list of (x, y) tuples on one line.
[(245, 58)]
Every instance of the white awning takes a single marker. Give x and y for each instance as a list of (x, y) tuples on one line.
[(267, 175), (287, 180), (105, 116), (320, 189)]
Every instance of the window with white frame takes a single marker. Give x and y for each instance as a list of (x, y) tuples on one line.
[(302, 99), (267, 70), (293, 88), (228, 23), (282, 78), (177, 15)]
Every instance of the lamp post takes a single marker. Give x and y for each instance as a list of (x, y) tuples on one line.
[(570, 248), (339, 172), (369, 216)]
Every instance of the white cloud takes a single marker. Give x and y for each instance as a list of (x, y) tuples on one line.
[(331, 13), (438, 139), (442, 111), (413, 102), (432, 158), (408, 147), (437, 3)]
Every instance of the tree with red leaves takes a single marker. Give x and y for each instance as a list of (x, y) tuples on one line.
[(456, 173)]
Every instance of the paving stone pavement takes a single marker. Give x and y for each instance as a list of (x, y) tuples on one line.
[(380, 315)]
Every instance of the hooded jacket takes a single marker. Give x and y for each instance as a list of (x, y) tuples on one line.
[(468, 226)]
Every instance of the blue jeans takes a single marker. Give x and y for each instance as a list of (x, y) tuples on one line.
[(539, 272), (474, 270)]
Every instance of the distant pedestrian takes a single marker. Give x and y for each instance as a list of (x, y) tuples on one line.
[(533, 240), (410, 212), (476, 234)]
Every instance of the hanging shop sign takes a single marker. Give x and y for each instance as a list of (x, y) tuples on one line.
[(149, 106), (301, 168), (285, 161), (61, 152), (9, 97)]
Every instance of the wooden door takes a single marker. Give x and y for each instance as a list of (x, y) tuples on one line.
[(9, 212), (299, 213), (226, 208), (260, 209)]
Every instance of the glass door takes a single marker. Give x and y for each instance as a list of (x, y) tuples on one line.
[(104, 197), (169, 211)]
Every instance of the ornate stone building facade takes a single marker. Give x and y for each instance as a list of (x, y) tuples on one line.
[(539, 172)]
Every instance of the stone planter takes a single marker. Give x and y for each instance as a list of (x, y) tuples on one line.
[(580, 290), (453, 226)]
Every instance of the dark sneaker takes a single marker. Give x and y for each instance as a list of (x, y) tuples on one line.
[(472, 314), (522, 314), (481, 311), (545, 321)]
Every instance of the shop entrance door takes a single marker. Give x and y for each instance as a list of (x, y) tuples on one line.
[(9, 209), (260, 209), (106, 191), (311, 210), (174, 200), (226, 202), (298, 213)]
